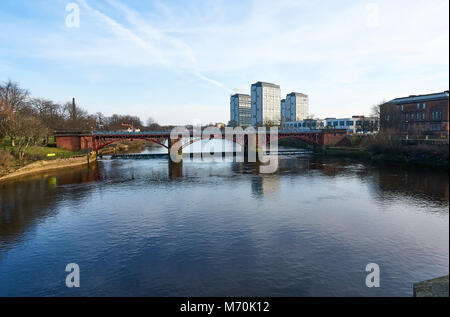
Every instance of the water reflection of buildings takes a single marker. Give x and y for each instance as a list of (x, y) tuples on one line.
[(266, 184), (27, 201), (409, 181), (430, 184), (424, 183)]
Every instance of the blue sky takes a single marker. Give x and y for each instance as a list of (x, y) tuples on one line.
[(179, 61)]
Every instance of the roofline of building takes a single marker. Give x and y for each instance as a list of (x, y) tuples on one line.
[(263, 83), (426, 97), (297, 94), (238, 94)]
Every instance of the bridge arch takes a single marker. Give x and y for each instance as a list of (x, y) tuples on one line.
[(212, 137), (100, 145)]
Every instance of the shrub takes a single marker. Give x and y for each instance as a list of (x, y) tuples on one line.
[(384, 143), (6, 159)]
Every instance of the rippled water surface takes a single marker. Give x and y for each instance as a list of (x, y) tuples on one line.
[(219, 228)]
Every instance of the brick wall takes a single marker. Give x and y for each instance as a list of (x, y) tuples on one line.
[(333, 138), (428, 118), (71, 143)]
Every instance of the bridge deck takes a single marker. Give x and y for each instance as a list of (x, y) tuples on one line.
[(191, 133), (97, 140)]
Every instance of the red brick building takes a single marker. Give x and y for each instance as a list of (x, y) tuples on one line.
[(74, 141), (418, 116)]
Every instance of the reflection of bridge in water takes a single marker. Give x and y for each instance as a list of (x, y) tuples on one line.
[(96, 141)]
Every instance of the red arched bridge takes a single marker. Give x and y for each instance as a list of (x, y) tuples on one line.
[(95, 141)]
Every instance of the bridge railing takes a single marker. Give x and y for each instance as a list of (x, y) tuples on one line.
[(108, 133), (166, 133)]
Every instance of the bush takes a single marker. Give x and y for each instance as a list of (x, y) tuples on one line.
[(384, 143), (6, 159)]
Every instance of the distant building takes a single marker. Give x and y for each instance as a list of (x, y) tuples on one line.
[(240, 110), (296, 107), (355, 124), (265, 104), (283, 111), (303, 125), (418, 116)]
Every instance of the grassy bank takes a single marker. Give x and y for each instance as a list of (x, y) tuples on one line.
[(9, 158), (48, 165)]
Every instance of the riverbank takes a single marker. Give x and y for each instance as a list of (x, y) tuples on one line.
[(413, 157), (47, 165), (381, 150)]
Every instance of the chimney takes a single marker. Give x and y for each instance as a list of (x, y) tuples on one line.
[(74, 109)]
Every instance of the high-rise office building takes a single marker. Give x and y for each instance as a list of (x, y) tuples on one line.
[(283, 110), (240, 110), (296, 107), (266, 104)]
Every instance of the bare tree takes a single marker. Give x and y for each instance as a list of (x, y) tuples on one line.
[(77, 119), (28, 131), (116, 122), (150, 121), (16, 97), (5, 118), (375, 109), (13, 99), (152, 125), (50, 113), (23, 126)]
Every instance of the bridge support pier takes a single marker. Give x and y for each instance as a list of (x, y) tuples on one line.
[(179, 151), (175, 170)]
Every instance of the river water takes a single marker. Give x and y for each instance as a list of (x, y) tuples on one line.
[(219, 228)]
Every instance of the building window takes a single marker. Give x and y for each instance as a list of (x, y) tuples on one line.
[(435, 127), (423, 115), (424, 106), (418, 106), (403, 108)]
